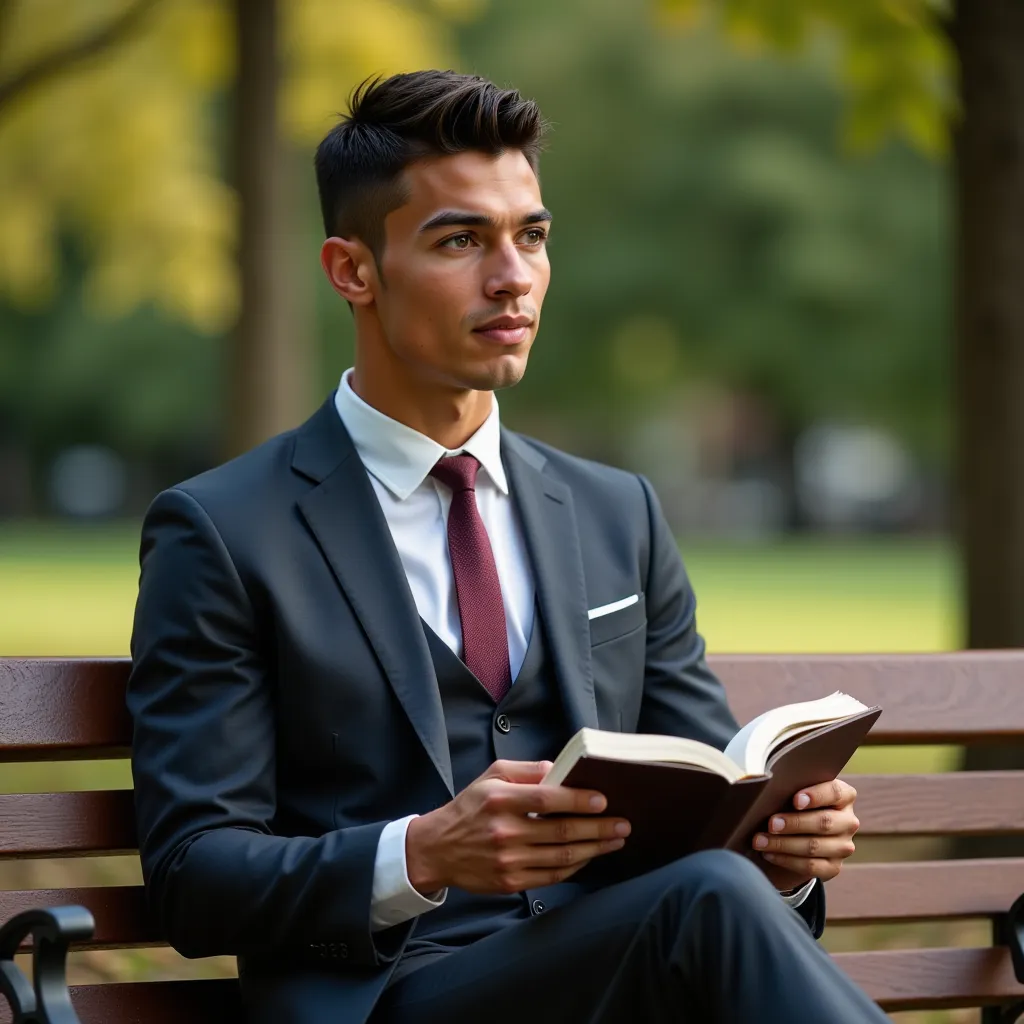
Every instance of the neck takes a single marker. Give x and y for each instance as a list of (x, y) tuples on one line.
[(444, 413)]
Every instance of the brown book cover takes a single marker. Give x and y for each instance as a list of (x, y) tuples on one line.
[(676, 809)]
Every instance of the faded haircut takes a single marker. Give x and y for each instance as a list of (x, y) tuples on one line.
[(394, 121)]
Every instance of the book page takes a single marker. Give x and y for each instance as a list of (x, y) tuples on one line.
[(640, 748), (751, 747)]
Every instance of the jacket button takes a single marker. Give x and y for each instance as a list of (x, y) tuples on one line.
[(538, 906), (503, 724)]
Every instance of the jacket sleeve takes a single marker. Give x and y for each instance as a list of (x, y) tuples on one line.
[(203, 759), (682, 696)]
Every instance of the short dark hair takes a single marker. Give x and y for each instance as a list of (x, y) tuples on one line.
[(394, 121)]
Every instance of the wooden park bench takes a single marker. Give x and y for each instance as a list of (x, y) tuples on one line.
[(59, 709)]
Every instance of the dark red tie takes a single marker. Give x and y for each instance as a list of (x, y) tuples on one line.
[(484, 640)]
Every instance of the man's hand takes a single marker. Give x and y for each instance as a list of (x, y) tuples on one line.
[(813, 843), (484, 841)]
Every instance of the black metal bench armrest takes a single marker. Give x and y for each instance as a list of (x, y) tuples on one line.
[(46, 999), (1010, 931), (1015, 936)]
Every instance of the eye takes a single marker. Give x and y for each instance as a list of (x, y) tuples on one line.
[(539, 236), (464, 237)]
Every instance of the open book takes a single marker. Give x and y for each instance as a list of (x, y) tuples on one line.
[(681, 795)]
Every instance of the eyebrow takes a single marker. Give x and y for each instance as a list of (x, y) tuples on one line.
[(461, 218)]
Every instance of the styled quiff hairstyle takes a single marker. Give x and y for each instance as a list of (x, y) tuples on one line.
[(394, 121)]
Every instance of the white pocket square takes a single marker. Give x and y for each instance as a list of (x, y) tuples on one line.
[(615, 606)]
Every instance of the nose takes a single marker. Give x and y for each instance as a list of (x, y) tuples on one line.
[(510, 274)]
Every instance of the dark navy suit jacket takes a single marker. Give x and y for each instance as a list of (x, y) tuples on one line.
[(286, 709)]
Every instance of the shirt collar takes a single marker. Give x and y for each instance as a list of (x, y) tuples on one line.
[(401, 458)]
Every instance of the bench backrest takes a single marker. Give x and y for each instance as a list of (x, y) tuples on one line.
[(58, 709)]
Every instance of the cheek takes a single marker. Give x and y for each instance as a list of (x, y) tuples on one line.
[(425, 313), (541, 277), (426, 298), (440, 283), (543, 280)]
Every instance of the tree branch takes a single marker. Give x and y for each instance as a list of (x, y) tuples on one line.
[(5, 16), (50, 65)]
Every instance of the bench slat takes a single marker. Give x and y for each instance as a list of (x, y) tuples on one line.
[(60, 708), (66, 824), (961, 697), (931, 979), (914, 891), (154, 1002), (957, 803), (56, 708), (964, 803), (902, 979), (862, 894), (120, 912)]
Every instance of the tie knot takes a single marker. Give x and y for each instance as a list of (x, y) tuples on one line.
[(457, 472)]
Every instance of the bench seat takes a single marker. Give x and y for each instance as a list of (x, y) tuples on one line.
[(60, 709)]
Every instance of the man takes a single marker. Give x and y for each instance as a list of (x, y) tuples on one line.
[(357, 648)]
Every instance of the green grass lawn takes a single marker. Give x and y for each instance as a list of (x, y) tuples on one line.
[(71, 590)]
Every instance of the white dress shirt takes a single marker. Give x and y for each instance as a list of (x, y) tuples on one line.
[(398, 461)]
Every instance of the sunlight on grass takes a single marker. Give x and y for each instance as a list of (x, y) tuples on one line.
[(71, 591), (66, 609), (882, 595), (67, 590)]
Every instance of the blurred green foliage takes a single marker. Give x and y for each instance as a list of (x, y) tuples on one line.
[(894, 57), (711, 223), (124, 148)]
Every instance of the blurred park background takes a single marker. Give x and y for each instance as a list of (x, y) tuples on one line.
[(787, 262)]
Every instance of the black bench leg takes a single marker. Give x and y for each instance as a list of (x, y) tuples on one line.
[(46, 999), (1011, 932), (1002, 1014)]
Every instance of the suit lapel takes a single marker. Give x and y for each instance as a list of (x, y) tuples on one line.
[(345, 517), (549, 526)]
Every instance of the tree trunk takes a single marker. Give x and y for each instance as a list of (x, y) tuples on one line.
[(269, 363), (989, 363)]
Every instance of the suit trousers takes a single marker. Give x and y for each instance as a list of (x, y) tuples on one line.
[(704, 939)]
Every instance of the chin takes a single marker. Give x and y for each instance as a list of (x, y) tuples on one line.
[(497, 374)]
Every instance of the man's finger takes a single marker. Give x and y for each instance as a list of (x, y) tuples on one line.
[(576, 830), (805, 867), (827, 822), (828, 794), (518, 771), (534, 799), (566, 855), (829, 847)]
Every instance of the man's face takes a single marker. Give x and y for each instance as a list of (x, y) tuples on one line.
[(467, 249)]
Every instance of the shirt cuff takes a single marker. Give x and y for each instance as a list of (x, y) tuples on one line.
[(393, 900), (794, 899)]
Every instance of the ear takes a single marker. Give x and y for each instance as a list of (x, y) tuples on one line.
[(349, 267)]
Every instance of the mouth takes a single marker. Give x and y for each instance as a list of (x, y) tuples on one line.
[(507, 330)]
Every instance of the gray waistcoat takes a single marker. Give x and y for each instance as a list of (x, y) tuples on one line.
[(528, 725)]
